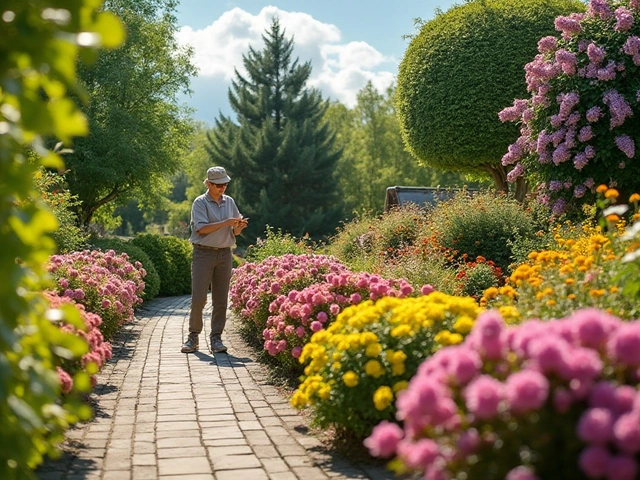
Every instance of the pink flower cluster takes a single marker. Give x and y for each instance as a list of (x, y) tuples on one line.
[(255, 285), (560, 129), (106, 283), (300, 313), (467, 401), (99, 350)]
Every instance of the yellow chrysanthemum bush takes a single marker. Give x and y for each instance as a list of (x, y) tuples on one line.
[(356, 367), (588, 266)]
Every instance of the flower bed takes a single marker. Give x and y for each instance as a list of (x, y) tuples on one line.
[(297, 315), (255, 285), (539, 400), (99, 350), (107, 284), (357, 366)]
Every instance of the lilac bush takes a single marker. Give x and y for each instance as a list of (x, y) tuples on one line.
[(539, 400), (106, 283), (300, 313), (581, 125)]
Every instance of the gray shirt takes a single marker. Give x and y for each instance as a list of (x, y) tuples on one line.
[(206, 210)]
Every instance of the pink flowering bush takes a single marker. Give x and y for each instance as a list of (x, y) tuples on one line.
[(99, 351), (581, 126), (300, 313), (540, 400), (255, 285), (107, 284)]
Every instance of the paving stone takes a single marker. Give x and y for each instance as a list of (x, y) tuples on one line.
[(161, 414)]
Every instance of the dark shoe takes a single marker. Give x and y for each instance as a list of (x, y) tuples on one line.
[(216, 344), (191, 345)]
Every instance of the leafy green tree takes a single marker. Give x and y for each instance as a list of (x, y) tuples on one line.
[(460, 70), (39, 44), (139, 130), (279, 153), (374, 156)]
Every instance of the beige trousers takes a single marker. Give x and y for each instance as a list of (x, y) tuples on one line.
[(210, 268)]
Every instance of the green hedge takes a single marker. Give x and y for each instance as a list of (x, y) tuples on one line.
[(172, 259), (152, 280), (461, 69)]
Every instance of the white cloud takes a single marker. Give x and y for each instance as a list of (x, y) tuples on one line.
[(340, 70)]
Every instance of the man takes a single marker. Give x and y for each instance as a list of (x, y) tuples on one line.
[(215, 222)]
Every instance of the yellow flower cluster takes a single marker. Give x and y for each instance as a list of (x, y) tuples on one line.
[(367, 347), (575, 273)]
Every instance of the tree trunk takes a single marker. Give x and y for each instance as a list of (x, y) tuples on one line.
[(499, 175)]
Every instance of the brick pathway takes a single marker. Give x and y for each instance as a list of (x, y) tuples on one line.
[(164, 414)]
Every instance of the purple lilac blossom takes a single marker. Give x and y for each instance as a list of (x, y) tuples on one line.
[(559, 207), (618, 108), (600, 8), (555, 185), (561, 154), (579, 190), (626, 144), (585, 134), (624, 19), (607, 73), (568, 26), (594, 114), (596, 54), (567, 60), (547, 44), (515, 173)]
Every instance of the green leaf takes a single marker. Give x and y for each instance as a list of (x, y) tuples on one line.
[(111, 30)]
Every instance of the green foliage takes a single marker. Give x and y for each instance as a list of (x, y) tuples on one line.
[(279, 154), (477, 279), (275, 245), (136, 254), (172, 258), (392, 245), (37, 72), (68, 236), (373, 155), (483, 225), (447, 98), (138, 127)]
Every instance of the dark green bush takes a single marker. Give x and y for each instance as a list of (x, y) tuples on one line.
[(485, 224), (152, 280), (172, 259)]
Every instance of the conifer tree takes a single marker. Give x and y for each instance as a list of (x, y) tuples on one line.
[(279, 151)]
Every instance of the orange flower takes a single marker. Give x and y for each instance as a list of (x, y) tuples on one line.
[(602, 188), (634, 198), (611, 193), (613, 218)]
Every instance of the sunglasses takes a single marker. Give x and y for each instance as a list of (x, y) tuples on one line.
[(220, 185)]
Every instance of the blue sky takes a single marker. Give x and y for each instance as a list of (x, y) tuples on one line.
[(347, 41)]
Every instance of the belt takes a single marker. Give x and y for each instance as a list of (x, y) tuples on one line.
[(206, 247)]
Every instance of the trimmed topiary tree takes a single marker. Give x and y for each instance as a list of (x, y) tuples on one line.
[(581, 125), (462, 68)]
